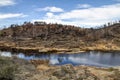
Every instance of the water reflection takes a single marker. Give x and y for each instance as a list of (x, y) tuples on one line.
[(6, 54), (86, 58)]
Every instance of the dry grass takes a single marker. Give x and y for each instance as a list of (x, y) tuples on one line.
[(40, 46), (42, 67)]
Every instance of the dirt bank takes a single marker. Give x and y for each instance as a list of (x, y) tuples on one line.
[(33, 47)]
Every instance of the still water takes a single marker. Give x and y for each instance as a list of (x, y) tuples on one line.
[(91, 58)]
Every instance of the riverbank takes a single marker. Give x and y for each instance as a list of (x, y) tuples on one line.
[(33, 47), (18, 69)]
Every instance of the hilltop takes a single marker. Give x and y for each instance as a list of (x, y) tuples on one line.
[(43, 37)]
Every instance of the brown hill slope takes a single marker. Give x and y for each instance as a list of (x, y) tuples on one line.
[(46, 36)]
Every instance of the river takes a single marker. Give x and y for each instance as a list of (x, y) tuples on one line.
[(92, 58)]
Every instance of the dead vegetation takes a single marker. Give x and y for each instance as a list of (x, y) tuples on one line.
[(52, 38)]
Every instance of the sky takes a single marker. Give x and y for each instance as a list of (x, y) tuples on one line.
[(83, 13)]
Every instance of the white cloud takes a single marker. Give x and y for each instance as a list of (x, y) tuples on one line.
[(51, 9), (83, 6), (49, 15), (11, 15), (6, 2), (92, 16)]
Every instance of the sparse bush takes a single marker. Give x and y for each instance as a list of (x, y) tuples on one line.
[(7, 73), (7, 69), (111, 69)]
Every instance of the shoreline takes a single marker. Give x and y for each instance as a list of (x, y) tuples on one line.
[(51, 50)]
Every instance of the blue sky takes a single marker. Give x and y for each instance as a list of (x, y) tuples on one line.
[(84, 13)]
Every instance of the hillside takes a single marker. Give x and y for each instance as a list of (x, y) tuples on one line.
[(41, 36)]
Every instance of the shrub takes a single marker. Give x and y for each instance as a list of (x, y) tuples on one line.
[(7, 69)]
